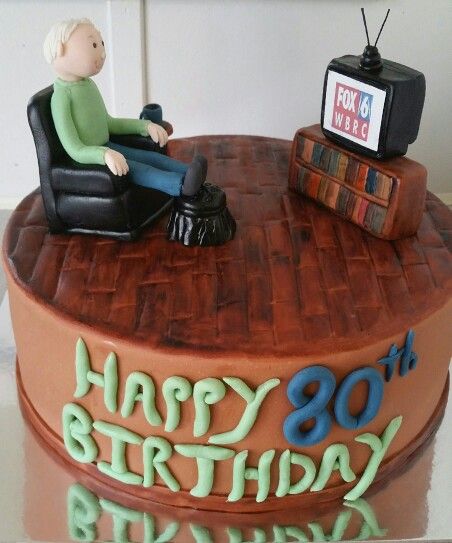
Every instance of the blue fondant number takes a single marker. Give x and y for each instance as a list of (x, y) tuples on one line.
[(309, 407), (407, 357), (374, 397), (315, 407)]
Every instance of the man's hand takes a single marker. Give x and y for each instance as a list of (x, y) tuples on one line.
[(116, 162), (157, 133)]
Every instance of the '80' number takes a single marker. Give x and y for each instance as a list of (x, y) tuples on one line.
[(315, 407)]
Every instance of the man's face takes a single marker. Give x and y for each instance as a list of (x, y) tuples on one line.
[(83, 55)]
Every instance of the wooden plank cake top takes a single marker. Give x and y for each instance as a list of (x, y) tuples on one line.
[(295, 280)]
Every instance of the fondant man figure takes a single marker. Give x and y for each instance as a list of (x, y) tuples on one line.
[(76, 51)]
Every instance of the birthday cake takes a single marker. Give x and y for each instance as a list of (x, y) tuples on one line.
[(297, 363), (302, 361)]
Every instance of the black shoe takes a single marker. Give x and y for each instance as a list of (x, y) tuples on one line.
[(203, 162), (193, 179)]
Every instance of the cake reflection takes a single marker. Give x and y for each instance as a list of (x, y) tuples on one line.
[(85, 509)]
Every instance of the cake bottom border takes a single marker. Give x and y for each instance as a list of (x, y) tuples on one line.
[(141, 497)]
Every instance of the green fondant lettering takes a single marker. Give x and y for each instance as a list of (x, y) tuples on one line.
[(240, 473), (82, 367), (253, 401), (175, 390), (122, 517), (281, 533), (379, 446), (310, 472), (77, 427), (86, 377), (370, 526), (236, 536), (286, 460), (284, 474), (238, 476), (83, 512), (201, 534), (111, 383), (138, 381), (205, 392), (335, 457), (205, 456), (149, 531), (119, 438), (156, 462)]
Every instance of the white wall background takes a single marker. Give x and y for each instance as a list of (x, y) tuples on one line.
[(225, 66)]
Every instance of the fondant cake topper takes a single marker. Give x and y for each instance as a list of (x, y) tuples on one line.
[(94, 199), (371, 105), (77, 52)]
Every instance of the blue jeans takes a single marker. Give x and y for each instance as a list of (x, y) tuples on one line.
[(153, 170)]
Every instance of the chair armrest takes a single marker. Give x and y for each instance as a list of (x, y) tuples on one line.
[(168, 127), (94, 179), (142, 142)]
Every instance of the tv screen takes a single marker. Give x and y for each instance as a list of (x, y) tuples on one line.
[(354, 109)]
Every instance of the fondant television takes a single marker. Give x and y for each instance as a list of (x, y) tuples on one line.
[(372, 105)]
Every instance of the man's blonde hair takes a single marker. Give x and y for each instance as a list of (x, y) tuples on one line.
[(60, 32)]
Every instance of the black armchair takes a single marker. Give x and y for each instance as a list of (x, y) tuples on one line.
[(89, 199)]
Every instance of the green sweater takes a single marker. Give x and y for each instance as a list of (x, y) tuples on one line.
[(82, 122)]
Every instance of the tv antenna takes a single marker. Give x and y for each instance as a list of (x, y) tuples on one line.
[(381, 28), (371, 59)]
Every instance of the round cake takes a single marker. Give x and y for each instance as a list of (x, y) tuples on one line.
[(300, 362)]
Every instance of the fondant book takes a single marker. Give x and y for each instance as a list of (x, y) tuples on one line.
[(386, 198)]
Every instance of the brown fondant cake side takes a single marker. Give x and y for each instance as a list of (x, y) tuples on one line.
[(49, 380), (297, 287)]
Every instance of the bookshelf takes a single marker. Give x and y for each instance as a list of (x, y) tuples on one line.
[(384, 197)]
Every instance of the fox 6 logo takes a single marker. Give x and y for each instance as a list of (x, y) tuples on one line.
[(365, 105), (352, 111)]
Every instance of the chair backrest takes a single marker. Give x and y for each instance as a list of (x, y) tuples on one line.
[(48, 149)]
